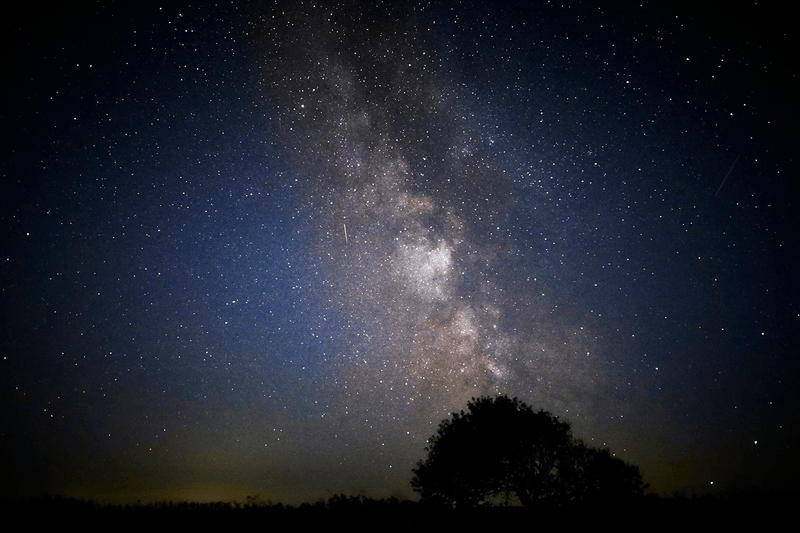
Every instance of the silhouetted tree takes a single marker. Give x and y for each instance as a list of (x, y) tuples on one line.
[(502, 448)]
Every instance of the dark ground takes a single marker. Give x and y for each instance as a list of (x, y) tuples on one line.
[(360, 514)]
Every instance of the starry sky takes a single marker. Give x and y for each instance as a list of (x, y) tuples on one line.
[(266, 247)]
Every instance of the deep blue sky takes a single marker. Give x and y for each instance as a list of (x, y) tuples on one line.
[(265, 248)]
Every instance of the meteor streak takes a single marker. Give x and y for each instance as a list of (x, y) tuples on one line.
[(726, 175)]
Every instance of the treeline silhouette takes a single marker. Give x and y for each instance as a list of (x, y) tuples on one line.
[(653, 513)]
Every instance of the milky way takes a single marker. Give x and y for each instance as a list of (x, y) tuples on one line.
[(385, 144)]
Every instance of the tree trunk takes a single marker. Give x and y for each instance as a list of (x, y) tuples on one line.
[(525, 498)]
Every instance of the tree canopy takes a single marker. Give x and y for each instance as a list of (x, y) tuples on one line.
[(502, 448)]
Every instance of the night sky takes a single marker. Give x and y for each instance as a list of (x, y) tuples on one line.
[(263, 248)]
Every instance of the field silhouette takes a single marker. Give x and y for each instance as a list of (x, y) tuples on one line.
[(358, 513)]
